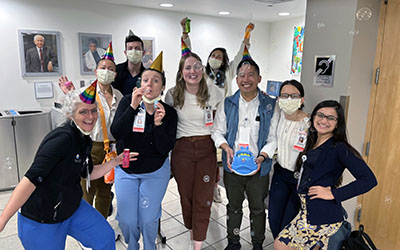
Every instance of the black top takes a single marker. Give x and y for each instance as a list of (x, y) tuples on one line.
[(153, 144), (124, 81), (308, 166), (61, 160)]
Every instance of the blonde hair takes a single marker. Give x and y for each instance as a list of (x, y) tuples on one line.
[(178, 93)]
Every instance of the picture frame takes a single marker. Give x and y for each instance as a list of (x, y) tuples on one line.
[(91, 49), (273, 87), (149, 47), (44, 90), (40, 53)]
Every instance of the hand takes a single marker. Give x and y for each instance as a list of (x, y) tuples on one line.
[(50, 66), (320, 192), (159, 114), (64, 86), (137, 94), (183, 24), (250, 27), (229, 154), (119, 158)]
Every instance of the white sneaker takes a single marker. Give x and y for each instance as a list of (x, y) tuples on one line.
[(217, 194)]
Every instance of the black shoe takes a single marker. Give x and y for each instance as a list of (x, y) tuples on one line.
[(233, 246), (257, 246)]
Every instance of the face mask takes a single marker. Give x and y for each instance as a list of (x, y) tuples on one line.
[(82, 131), (105, 76), (134, 56), (289, 106), (214, 63), (151, 101)]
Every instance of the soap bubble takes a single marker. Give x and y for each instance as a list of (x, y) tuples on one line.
[(208, 203), (144, 202), (364, 14), (252, 234), (320, 25), (236, 231), (206, 178), (8, 163)]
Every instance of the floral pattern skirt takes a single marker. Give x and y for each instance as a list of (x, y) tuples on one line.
[(300, 235)]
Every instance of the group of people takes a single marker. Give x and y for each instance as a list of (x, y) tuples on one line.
[(180, 136)]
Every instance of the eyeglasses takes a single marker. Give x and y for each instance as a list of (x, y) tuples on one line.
[(87, 111), (330, 118), (293, 96), (197, 66)]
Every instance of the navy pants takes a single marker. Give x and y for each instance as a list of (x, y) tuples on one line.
[(284, 203)]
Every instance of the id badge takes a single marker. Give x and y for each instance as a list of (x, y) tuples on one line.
[(88, 176), (208, 116), (300, 143), (244, 137), (140, 119)]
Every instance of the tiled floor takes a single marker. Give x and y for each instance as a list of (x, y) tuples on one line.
[(171, 224)]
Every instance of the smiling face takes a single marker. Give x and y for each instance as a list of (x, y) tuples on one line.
[(39, 41), (325, 121), (152, 83), (85, 116), (192, 71), (248, 79)]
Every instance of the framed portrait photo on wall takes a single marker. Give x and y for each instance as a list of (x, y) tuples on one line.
[(91, 49), (40, 53), (148, 51)]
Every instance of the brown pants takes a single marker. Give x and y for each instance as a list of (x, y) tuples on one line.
[(99, 190), (193, 163)]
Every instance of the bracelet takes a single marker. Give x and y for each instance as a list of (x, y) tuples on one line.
[(262, 156)]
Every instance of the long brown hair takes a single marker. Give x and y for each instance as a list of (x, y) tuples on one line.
[(179, 90)]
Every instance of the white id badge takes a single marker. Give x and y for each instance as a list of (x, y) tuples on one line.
[(140, 119), (244, 137), (300, 142), (208, 116), (88, 176)]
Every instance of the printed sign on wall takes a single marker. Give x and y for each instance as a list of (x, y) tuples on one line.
[(324, 70)]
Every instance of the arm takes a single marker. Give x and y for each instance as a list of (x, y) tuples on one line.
[(101, 169), (18, 198), (365, 178), (89, 61), (28, 61), (269, 148), (219, 131), (185, 36), (165, 132)]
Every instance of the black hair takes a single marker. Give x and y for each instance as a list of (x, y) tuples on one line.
[(92, 41), (339, 133), (163, 79), (224, 66), (133, 38), (295, 84), (249, 61), (102, 59)]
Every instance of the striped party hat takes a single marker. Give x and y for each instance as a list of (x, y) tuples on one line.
[(109, 53), (89, 94), (246, 54), (185, 48)]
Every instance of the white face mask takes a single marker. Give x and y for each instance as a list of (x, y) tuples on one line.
[(214, 63), (82, 131), (134, 56), (289, 106), (105, 76)]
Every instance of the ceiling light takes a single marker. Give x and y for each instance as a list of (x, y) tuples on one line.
[(166, 5), (283, 14), (224, 13)]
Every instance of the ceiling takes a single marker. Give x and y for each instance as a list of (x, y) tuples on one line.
[(252, 10)]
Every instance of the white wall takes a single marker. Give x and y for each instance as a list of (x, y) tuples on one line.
[(73, 16), (280, 49)]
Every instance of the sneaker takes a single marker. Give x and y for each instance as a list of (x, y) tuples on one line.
[(217, 194), (233, 246), (257, 246)]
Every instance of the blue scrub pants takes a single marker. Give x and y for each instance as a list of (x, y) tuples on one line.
[(86, 225), (284, 203), (139, 198)]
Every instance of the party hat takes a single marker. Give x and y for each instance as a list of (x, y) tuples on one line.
[(131, 33), (109, 53), (246, 54), (89, 94), (185, 48), (158, 63)]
